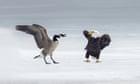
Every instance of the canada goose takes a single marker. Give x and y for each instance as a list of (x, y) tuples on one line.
[(42, 39), (96, 43)]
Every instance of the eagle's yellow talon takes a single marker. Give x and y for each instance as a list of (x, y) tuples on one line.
[(87, 60), (97, 61)]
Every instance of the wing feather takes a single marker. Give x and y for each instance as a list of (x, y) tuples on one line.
[(40, 34), (85, 32), (105, 40)]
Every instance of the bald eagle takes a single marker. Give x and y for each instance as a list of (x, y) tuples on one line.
[(96, 43), (42, 39)]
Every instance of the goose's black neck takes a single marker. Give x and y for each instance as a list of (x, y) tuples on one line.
[(55, 37)]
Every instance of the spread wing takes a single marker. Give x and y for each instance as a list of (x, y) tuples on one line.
[(105, 41), (39, 33), (85, 32)]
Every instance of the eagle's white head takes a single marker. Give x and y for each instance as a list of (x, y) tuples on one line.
[(94, 33)]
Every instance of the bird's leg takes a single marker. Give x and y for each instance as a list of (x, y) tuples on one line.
[(97, 58), (53, 59), (44, 57), (87, 57), (44, 54)]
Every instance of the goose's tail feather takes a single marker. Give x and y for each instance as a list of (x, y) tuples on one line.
[(37, 56)]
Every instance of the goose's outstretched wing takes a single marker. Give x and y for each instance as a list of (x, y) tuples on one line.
[(39, 33), (105, 40)]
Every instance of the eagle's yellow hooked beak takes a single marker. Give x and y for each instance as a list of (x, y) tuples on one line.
[(90, 33)]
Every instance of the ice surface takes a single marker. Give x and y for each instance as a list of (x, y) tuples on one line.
[(120, 61)]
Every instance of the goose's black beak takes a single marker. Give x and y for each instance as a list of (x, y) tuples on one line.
[(21, 27), (63, 35)]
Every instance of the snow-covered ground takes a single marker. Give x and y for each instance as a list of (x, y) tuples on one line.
[(120, 61)]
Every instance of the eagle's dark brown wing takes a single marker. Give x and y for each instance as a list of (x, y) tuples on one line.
[(85, 32), (105, 41)]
